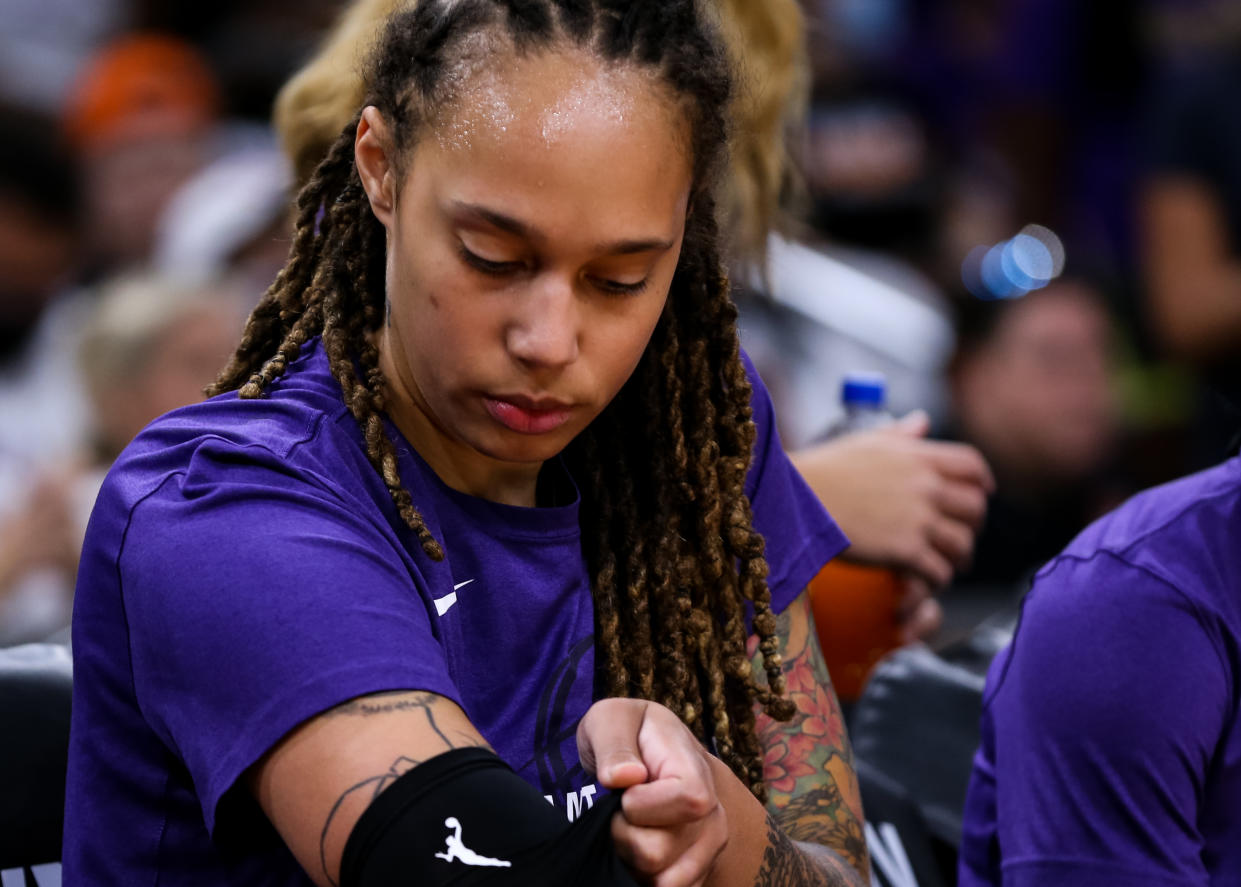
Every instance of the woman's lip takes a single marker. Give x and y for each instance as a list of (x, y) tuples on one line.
[(533, 404), (526, 415)]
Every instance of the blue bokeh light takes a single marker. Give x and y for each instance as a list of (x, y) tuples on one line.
[(997, 279), (1030, 260), (1012, 268)]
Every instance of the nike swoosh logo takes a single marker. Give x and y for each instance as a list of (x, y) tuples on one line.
[(444, 604)]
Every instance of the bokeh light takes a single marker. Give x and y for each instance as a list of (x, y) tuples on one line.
[(1008, 270)]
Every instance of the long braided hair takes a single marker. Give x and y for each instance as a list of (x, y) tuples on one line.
[(667, 528)]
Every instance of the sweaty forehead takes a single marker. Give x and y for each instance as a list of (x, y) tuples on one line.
[(549, 93)]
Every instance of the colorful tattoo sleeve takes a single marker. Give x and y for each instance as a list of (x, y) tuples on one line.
[(813, 794)]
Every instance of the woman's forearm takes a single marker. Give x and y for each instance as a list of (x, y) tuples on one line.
[(760, 854)]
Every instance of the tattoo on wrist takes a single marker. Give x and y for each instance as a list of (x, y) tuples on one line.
[(820, 816), (787, 864)]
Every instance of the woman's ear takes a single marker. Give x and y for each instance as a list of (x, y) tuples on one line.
[(373, 155)]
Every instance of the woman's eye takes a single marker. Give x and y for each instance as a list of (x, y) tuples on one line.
[(495, 269), (616, 287)]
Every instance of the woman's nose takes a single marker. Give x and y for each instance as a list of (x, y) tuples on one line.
[(546, 329)]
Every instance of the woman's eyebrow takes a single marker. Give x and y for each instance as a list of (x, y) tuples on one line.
[(475, 212), (510, 225)]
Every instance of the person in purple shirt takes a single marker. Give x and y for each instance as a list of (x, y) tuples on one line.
[(484, 564), (1111, 727)]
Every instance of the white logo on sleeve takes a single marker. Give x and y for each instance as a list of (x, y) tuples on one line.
[(461, 853), (444, 604)]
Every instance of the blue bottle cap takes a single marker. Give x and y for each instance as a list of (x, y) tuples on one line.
[(863, 389)]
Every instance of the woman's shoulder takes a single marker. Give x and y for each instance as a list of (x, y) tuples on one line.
[(299, 429), (1147, 590), (1179, 537)]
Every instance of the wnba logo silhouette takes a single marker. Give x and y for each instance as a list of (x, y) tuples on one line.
[(455, 850)]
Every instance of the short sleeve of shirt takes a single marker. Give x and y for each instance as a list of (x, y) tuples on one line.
[(258, 599), (800, 536), (1099, 726)]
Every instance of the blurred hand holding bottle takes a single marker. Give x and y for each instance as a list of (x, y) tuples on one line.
[(856, 606)]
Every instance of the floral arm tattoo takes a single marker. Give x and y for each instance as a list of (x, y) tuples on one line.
[(814, 808)]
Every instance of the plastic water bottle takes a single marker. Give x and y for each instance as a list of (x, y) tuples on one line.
[(864, 397), (856, 607)]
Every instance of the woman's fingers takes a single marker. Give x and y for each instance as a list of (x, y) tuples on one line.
[(692, 866), (607, 741), (669, 801), (927, 561), (952, 539), (961, 462), (679, 856), (964, 502), (671, 826)]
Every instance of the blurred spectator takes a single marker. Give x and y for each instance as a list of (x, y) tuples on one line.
[(846, 293), (818, 317), (40, 537), (1034, 388), (873, 173), (153, 345), (141, 118), (150, 346), (1043, 89), (313, 106), (1191, 225), (40, 201), (252, 45), (810, 311), (1182, 31), (851, 35), (39, 223), (230, 220), (41, 403), (807, 317), (43, 42)]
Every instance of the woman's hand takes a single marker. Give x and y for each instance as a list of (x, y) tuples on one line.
[(673, 825), (904, 502)]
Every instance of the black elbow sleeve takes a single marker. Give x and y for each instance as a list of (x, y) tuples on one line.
[(464, 818)]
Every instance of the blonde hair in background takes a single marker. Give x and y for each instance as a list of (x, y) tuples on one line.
[(132, 313), (767, 45), (314, 106)]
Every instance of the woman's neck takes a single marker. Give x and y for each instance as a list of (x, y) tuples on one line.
[(456, 464)]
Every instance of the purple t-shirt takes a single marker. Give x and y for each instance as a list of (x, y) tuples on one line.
[(245, 569), (1111, 733)]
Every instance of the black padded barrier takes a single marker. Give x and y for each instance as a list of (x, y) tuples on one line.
[(36, 689)]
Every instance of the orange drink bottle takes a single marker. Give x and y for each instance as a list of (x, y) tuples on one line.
[(855, 607), (855, 610)]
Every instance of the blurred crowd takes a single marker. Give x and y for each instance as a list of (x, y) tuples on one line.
[(143, 210), (1025, 213), (1060, 183)]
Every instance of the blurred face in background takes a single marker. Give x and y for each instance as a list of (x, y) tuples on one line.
[(169, 371), (1038, 397), (129, 183), (141, 117), (36, 254)]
